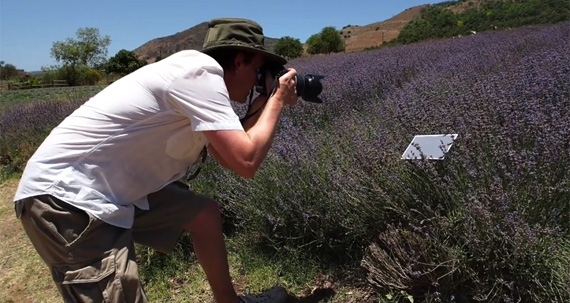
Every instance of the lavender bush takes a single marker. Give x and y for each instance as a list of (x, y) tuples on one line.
[(489, 223), (23, 128)]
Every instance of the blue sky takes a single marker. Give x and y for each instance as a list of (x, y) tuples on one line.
[(28, 28)]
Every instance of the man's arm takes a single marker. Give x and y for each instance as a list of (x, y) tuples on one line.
[(256, 106), (244, 151)]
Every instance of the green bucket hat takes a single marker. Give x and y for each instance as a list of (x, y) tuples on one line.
[(238, 33)]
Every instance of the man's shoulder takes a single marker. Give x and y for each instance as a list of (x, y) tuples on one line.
[(195, 56), (188, 62)]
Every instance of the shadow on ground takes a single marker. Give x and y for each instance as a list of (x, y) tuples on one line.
[(319, 295)]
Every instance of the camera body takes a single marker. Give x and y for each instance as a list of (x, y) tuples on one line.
[(308, 87)]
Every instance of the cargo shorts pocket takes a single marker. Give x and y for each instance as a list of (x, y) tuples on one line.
[(90, 282)]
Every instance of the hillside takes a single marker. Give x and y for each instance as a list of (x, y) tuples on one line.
[(357, 37), (192, 38)]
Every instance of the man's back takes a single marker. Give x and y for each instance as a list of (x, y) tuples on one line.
[(129, 140)]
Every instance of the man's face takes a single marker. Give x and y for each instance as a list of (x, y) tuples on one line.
[(243, 78)]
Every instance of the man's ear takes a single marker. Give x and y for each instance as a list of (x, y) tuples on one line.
[(238, 61)]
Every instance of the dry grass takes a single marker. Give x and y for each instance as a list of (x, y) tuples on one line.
[(375, 34), (25, 277)]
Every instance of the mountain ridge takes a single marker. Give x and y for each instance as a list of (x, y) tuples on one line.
[(356, 37)]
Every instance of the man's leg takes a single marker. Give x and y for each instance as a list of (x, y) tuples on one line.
[(174, 210), (210, 248), (171, 210), (90, 261)]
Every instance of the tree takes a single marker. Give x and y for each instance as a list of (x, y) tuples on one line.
[(332, 40), (88, 49), (124, 62), (7, 71), (315, 44), (289, 47), (327, 41)]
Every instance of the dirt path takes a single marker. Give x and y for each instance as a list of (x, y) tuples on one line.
[(24, 277)]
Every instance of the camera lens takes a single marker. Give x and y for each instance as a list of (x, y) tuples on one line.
[(309, 87)]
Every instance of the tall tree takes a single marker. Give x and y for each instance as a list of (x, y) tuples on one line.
[(315, 44), (89, 48), (332, 40)]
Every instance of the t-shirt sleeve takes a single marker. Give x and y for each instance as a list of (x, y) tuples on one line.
[(201, 94)]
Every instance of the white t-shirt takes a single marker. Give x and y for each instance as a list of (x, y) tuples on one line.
[(133, 138)]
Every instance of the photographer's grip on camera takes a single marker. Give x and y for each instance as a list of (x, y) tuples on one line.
[(308, 87)]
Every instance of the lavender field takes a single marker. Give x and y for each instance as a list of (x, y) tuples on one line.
[(490, 223)]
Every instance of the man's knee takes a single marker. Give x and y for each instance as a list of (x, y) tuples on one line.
[(209, 217)]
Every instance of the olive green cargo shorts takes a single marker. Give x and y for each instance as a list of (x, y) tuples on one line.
[(92, 261)]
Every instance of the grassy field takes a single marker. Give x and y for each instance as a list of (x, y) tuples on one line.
[(11, 98)]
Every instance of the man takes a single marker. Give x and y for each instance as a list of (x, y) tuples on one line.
[(106, 177)]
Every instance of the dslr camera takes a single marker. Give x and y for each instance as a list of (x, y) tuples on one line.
[(308, 87)]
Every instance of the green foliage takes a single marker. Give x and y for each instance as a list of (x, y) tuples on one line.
[(289, 47), (80, 75), (315, 44), (436, 21), (89, 48), (124, 62), (8, 71), (50, 73), (332, 40), (91, 76), (327, 41), (81, 57)]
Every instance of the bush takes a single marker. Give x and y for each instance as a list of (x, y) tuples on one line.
[(490, 219), (124, 62), (91, 77), (436, 21), (23, 128)]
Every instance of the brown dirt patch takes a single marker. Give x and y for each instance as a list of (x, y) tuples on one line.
[(358, 38)]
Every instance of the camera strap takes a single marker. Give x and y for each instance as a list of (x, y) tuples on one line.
[(250, 102), (189, 176)]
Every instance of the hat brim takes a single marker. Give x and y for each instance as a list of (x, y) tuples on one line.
[(270, 58)]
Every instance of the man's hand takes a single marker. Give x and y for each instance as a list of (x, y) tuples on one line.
[(287, 89)]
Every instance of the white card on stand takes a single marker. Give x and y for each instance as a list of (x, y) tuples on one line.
[(431, 147)]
